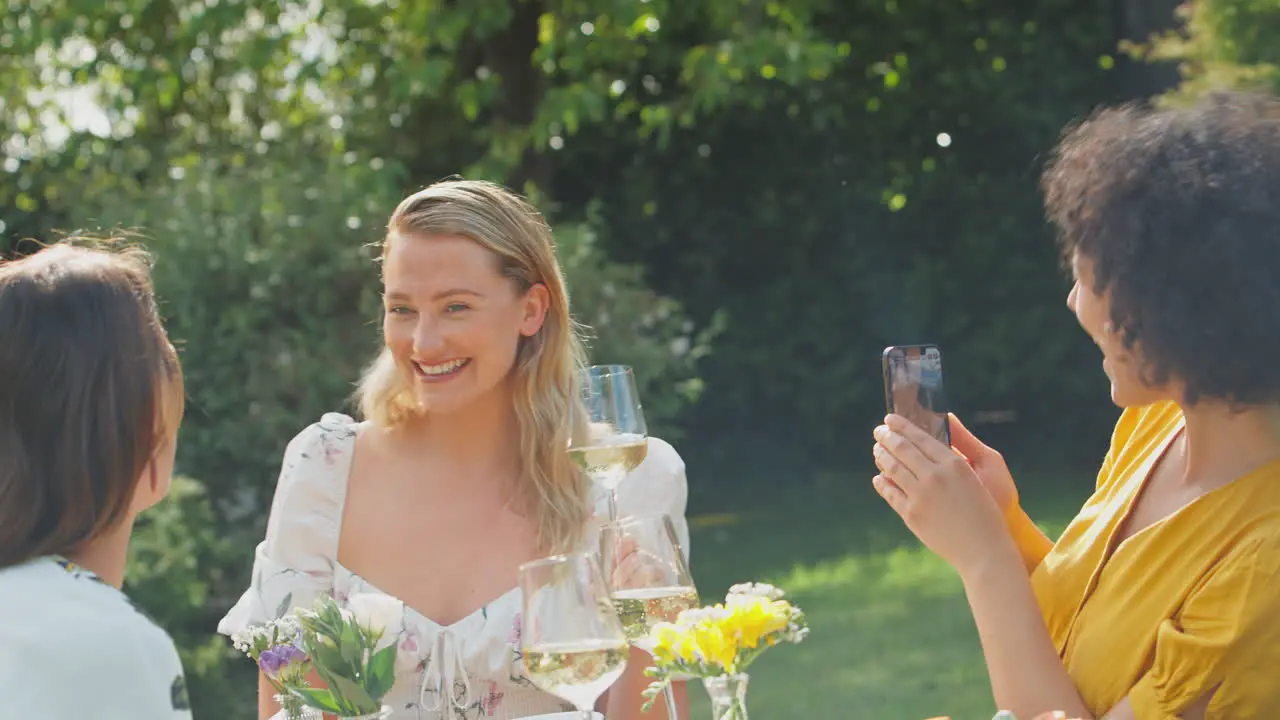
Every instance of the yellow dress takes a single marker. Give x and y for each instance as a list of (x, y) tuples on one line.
[(1184, 606)]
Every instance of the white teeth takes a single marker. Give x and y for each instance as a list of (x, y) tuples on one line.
[(443, 368)]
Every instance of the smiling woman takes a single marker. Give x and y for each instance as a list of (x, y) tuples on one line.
[(1160, 598), (459, 472)]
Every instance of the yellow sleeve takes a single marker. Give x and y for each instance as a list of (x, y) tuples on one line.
[(1032, 544), (1225, 642)]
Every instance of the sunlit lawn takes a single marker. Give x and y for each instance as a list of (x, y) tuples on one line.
[(891, 633)]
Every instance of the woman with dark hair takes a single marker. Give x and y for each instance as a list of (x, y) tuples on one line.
[(90, 401), (1161, 599)]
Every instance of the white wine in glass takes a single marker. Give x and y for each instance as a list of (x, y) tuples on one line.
[(640, 609), (579, 672), (608, 456), (572, 642), (611, 439), (648, 578)]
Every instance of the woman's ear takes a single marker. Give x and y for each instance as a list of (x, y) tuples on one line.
[(536, 302)]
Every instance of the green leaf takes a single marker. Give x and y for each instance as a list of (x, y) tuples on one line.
[(382, 672), (327, 658), (318, 698), (350, 646), (354, 695), (285, 604)]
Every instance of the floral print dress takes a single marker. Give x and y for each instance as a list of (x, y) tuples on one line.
[(469, 669)]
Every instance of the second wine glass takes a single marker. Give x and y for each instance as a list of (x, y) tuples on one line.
[(611, 438), (573, 644), (648, 578)]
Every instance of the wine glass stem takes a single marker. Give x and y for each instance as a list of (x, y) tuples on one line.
[(613, 505), (670, 695)]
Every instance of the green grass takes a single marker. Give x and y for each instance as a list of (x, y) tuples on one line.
[(891, 636)]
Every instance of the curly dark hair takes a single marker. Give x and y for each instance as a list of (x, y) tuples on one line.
[(1177, 210)]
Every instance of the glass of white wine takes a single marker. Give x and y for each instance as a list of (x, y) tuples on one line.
[(572, 641), (648, 577), (612, 439)]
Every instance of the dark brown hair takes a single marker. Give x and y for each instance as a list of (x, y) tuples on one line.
[(1177, 211), (87, 380)]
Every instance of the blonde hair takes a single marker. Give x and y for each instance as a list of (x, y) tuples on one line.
[(547, 364)]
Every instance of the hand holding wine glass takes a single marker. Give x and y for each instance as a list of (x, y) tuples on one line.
[(610, 440), (648, 577), (573, 643)]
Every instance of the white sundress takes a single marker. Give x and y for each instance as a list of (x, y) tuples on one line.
[(469, 669)]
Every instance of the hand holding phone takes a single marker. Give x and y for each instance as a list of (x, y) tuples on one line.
[(913, 388)]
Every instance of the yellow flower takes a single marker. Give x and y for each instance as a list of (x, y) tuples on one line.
[(725, 635), (714, 645), (669, 643), (751, 618), (696, 640)]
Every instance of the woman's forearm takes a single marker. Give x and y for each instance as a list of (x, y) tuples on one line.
[(1027, 677), (267, 705), (624, 698)]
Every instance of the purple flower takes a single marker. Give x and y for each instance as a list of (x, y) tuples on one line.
[(278, 658)]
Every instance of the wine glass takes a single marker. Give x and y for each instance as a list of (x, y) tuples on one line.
[(648, 577), (611, 439), (572, 642)]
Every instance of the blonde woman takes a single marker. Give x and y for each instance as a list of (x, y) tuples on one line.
[(424, 511)]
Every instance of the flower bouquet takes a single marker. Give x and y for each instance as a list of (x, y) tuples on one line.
[(345, 654), (718, 643), (276, 647)]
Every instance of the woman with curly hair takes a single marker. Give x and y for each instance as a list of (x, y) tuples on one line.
[(1161, 599)]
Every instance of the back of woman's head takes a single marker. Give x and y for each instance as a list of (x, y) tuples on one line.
[(91, 391), (1177, 213)]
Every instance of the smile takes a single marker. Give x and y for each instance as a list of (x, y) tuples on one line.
[(442, 370)]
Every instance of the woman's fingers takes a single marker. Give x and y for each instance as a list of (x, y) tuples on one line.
[(638, 569), (891, 493), (927, 445), (896, 453), (893, 468)]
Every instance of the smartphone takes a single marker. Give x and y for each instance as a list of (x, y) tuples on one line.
[(913, 387)]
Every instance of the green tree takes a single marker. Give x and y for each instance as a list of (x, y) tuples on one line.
[(1219, 44)]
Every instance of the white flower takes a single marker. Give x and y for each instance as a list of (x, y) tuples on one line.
[(696, 615), (379, 613), (256, 638), (764, 590)]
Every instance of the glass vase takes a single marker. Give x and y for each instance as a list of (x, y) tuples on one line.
[(728, 694), (292, 708), (382, 714)]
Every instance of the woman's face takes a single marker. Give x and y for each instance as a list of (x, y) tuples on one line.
[(452, 322), (1122, 366)]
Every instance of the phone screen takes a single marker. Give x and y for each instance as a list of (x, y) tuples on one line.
[(913, 388)]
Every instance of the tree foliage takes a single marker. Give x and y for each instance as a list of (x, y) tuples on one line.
[(1219, 44), (794, 183)]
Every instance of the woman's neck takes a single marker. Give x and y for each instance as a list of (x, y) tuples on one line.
[(1222, 445), (106, 554), (484, 436)]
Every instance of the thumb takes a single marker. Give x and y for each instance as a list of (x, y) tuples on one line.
[(966, 442)]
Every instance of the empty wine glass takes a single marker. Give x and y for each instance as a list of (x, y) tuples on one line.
[(648, 577), (611, 440), (572, 642)]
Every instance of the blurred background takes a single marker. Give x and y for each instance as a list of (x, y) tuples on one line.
[(752, 198)]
